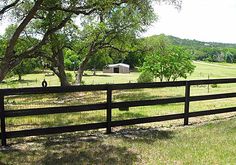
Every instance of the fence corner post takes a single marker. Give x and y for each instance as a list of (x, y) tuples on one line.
[(187, 100), (3, 122), (109, 108)]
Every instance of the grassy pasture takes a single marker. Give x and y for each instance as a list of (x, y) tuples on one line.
[(203, 69), (169, 143)]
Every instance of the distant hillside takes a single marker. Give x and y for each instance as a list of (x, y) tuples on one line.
[(195, 43), (203, 51)]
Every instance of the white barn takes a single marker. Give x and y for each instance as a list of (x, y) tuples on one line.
[(117, 68)]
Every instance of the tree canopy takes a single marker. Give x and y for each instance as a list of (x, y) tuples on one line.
[(85, 27), (168, 62)]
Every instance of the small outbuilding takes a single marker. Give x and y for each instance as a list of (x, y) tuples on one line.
[(117, 68)]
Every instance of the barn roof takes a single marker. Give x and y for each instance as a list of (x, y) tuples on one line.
[(119, 64)]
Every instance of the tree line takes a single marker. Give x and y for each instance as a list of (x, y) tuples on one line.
[(206, 51)]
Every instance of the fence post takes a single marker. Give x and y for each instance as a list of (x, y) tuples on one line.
[(186, 107), (109, 113), (3, 124)]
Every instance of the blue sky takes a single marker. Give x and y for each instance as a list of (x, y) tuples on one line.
[(204, 20)]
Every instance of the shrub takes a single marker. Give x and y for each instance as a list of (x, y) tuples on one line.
[(214, 85), (145, 77), (69, 77)]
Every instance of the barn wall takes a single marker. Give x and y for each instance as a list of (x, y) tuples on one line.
[(123, 69)]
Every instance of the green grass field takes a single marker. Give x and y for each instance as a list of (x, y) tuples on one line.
[(203, 69), (154, 143)]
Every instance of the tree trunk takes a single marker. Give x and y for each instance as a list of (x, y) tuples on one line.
[(57, 61), (80, 75), (82, 66), (19, 77), (94, 71), (58, 67), (61, 69), (63, 80), (3, 73), (4, 69)]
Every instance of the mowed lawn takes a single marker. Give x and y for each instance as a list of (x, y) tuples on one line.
[(209, 139), (202, 71)]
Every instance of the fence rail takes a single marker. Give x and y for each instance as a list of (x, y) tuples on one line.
[(109, 105)]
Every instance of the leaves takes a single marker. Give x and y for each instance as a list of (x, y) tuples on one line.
[(168, 62)]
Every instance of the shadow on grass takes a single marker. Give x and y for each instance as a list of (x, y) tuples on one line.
[(97, 76), (90, 153), (144, 135), (73, 148), (89, 147), (138, 95), (127, 115), (134, 96)]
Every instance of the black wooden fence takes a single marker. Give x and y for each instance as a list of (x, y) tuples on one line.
[(109, 105)]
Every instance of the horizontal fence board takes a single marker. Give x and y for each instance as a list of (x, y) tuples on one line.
[(212, 81), (212, 112), (147, 102), (212, 97), (40, 90), (147, 120), (55, 130), (81, 88), (55, 110)]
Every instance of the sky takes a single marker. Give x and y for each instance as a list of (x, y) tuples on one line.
[(204, 20)]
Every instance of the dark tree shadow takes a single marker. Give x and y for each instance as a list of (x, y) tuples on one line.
[(22, 81), (90, 153), (97, 75), (88, 147), (71, 148), (147, 135), (127, 115), (139, 95)]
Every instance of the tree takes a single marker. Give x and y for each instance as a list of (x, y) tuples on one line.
[(71, 59), (99, 61), (168, 62), (115, 29), (111, 22), (26, 12), (26, 67)]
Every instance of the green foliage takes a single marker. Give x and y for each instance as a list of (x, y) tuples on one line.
[(25, 67), (106, 25), (99, 61), (71, 60), (214, 85), (202, 51), (70, 77), (145, 77), (168, 62)]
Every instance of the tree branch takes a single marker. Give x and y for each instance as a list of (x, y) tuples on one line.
[(7, 7), (21, 27), (45, 37)]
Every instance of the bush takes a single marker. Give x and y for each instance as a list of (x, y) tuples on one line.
[(69, 77), (214, 85), (145, 77)]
